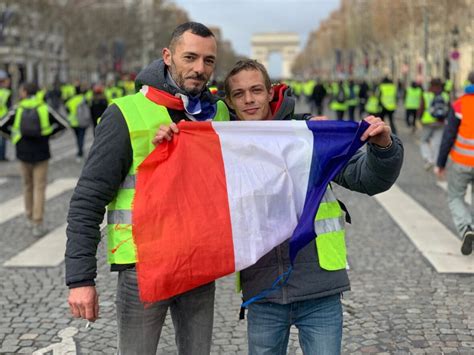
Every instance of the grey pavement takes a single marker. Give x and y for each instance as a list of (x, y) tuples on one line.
[(398, 303)]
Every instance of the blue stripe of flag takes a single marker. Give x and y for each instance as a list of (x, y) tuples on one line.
[(335, 142)]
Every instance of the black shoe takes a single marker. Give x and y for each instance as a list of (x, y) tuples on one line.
[(467, 240)]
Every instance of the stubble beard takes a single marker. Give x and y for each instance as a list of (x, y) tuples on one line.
[(179, 80)]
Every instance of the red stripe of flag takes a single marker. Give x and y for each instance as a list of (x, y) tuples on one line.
[(180, 249)]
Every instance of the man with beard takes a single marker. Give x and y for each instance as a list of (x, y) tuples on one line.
[(170, 89)]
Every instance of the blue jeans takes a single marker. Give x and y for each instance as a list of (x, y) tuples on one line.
[(139, 325), (319, 323)]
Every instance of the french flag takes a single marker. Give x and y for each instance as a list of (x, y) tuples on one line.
[(220, 195)]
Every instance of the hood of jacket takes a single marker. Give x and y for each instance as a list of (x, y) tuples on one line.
[(155, 75), (283, 103)]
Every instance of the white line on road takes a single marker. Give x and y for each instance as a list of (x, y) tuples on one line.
[(439, 246), (14, 207), (3, 180), (48, 251)]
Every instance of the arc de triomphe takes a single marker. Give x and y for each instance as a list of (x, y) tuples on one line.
[(287, 43)]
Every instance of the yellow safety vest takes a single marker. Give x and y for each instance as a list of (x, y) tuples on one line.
[(143, 118), (43, 114)]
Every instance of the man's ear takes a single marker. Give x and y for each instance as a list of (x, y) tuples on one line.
[(229, 103), (166, 54), (271, 93)]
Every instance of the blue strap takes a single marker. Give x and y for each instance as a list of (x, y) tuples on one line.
[(285, 276)]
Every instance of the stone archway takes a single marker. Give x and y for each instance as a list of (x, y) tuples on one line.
[(287, 44)]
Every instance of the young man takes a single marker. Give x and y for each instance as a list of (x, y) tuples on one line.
[(311, 300), (457, 142), (172, 89)]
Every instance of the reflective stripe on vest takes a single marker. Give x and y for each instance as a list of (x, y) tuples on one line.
[(463, 148), (330, 240), (43, 114), (4, 96), (329, 228), (388, 96), (143, 118)]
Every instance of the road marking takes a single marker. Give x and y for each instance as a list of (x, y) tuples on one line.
[(444, 186), (14, 207), (437, 244), (46, 252), (3, 180)]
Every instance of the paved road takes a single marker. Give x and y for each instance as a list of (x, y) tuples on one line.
[(399, 303)]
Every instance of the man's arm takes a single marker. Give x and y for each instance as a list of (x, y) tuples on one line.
[(373, 171), (449, 136), (108, 163)]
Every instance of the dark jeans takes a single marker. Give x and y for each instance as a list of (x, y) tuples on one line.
[(339, 115), (139, 325), (351, 110), (388, 113), (80, 135), (410, 117)]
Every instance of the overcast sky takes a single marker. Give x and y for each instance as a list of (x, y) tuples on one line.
[(239, 19)]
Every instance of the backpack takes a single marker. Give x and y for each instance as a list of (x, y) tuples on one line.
[(341, 97), (439, 108), (84, 117), (30, 125)]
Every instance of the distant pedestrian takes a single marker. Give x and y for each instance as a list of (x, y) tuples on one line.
[(317, 97), (5, 103), (98, 103), (79, 117), (412, 102), (31, 125), (387, 92), (363, 96), (434, 109), (458, 143)]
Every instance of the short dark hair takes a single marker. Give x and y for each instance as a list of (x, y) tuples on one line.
[(247, 64), (195, 28), (470, 77), (30, 88), (436, 82)]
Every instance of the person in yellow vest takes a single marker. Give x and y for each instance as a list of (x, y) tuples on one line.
[(338, 101), (434, 109), (388, 101), (412, 102), (352, 99), (30, 126), (169, 90), (5, 103), (458, 143), (315, 287), (372, 106), (77, 107)]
